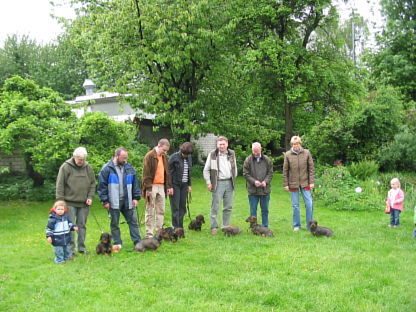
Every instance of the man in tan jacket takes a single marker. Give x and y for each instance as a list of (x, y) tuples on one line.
[(299, 176), (156, 184)]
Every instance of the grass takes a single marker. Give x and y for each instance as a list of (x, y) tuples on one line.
[(366, 266)]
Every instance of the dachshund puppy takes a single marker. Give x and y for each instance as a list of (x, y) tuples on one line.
[(104, 247), (169, 234), (151, 243), (180, 232), (230, 230), (257, 229), (319, 230), (197, 223)]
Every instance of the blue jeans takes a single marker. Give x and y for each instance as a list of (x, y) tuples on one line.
[(131, 218), (264, 205), (394, 216), (62, 253), (307, 199)]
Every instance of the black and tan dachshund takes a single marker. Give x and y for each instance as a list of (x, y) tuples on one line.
[(257, 229), (319, 230), (105, 246), (196, 224)]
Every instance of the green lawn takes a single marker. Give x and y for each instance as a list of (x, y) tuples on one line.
[(366, 266)]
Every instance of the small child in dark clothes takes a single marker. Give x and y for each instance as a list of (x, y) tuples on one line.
[(58, 231)]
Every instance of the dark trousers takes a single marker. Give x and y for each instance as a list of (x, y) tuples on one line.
[(178, 204), (132, 220), (394, 216)]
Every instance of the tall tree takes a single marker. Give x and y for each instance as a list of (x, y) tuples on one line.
[(299, 67), (160, 51), (57, 65), (395, 63)]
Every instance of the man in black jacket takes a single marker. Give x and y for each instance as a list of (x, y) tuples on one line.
[(258, 171)]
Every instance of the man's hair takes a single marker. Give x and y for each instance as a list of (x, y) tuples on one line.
[(186, 148), (222, 138), (255, 144), (119, 150), (163, 142), (80, 152)]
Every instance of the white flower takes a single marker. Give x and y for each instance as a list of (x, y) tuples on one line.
[(358, 189), (378, 182)]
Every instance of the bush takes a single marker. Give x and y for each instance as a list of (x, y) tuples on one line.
[(21, 187), (399, 154), (339, 190), (363, 170)]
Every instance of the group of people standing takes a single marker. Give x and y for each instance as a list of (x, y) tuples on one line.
[(119, 190)]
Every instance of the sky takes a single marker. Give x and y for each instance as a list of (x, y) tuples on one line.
[(33, 17)]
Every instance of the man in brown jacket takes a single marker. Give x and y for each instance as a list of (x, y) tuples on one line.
[(299, 175), (156, 184)]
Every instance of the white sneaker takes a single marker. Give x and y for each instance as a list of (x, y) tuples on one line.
[(296, 229)]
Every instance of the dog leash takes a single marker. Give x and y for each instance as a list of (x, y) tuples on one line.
[(188, 201), (96, 220)]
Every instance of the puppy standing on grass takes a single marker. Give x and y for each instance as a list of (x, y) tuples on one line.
[(257, 229), (104, 247), (231, 230), (197, 223), (151, 243), (319, 230)]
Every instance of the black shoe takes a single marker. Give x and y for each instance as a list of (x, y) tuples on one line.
[(84, 252)]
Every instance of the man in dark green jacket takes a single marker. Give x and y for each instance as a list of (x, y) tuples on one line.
[(75, 185), (258, 172)]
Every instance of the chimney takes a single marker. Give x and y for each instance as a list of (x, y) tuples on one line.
[(89, 86)]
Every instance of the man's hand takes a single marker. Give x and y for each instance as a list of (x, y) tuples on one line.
[(134, 202), (75, 228), (106, 206), (286, 188), (49, 239), (257, 183), (170, 191), (189, 189), (209, 187), (312, 185), (88, 202)]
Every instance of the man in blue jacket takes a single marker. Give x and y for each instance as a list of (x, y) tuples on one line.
[(119, 191)]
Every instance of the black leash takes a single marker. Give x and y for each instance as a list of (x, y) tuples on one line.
[(188, 201), (96, 220)]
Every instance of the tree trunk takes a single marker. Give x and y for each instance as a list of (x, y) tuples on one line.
[(37, 178), (288, 123)]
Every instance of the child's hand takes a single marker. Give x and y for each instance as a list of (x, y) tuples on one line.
[(75, 228), (49, 239)]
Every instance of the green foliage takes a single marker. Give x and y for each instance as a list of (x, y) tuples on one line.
[(357, 136), (37, 122), (336, 189), (394, 63), (363, 170), (14, 187), (40, 124), (399, 154), (57, 65)]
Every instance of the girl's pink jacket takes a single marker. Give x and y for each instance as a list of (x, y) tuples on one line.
[(399, 200)]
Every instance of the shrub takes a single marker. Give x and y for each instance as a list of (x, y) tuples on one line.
[(364, 169), (337, 189), (399, 154), (21, 187)]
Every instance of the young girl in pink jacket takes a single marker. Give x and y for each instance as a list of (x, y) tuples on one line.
[(395, 199)]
